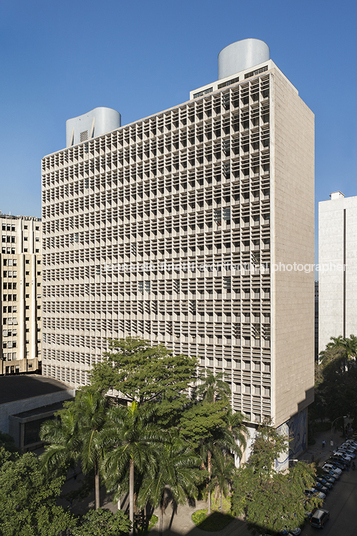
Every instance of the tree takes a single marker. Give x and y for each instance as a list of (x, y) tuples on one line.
[(129, 435), (77, 435), (210, 425), (223, 471), (336, 380), (99, 522), (175, 476), (213, 387), (28, 498), (269, 500), (143, 373)]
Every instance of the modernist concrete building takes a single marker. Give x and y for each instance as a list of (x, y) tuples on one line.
[(338, 268), (21, 291), (183, 228)]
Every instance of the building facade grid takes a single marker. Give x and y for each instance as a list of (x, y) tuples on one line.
[(161, 229)]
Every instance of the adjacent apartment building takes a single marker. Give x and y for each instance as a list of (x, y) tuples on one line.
[(21, 291), (183, 228), (338, 268)]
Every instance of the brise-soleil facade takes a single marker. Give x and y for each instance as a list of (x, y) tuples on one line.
[(168, 229), (21, 294)]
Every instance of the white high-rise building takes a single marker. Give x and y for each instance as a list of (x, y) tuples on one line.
[(21, 290), (338, 268), (183, 228)]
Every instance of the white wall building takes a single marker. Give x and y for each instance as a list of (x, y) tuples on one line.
[(338, 268), (21, 290), (167, 229)]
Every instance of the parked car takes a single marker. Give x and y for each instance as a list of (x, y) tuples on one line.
[(349, 452), (291, 532), (324, 482), (313, 491), (338, 463), (320, 518), (321, 487), (332, 470), (350, 444), (343, 455)]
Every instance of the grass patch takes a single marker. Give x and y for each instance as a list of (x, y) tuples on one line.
[(216, 521)]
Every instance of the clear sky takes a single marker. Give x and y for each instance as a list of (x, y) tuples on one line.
[(60, 59)]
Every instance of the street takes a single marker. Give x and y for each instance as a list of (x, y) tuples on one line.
[(341, 502)]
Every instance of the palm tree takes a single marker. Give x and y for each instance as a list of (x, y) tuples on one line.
[(174, 477), (60, 434), (129, 436), (223, 471), (77, 435), (225, 438), (213, 387)]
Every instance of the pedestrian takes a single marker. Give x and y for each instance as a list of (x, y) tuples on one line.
[(323, 444)]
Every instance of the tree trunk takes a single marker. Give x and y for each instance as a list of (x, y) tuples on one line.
[(96, 487), (161, 524), (221, 505), (209, 456), (131, 494)]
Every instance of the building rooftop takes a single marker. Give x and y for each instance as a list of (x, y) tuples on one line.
[(13, 217), (27, 386)]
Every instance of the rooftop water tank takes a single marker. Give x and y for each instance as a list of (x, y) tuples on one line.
[(94, 123), (241, 55)]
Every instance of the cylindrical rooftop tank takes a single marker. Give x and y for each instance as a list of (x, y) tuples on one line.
[(94, 123), (241, 55)]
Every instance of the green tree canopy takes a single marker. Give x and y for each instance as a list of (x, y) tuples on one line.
[(103, 522), (76, 436), (143, 373), (130, 437), (28, 498), (174, 477), (336, 380), (269, 500)]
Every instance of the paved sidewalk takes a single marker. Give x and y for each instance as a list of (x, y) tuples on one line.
[(182, 524), (318, 453)]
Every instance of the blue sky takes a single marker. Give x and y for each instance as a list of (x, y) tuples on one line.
[(62, 59)]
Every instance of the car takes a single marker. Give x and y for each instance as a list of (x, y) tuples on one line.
[(329, 469), (347, 451), (337, 462), (313, 491), (320, 518), (324, 482), (349, 444), (321, 487), (342, 455)]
